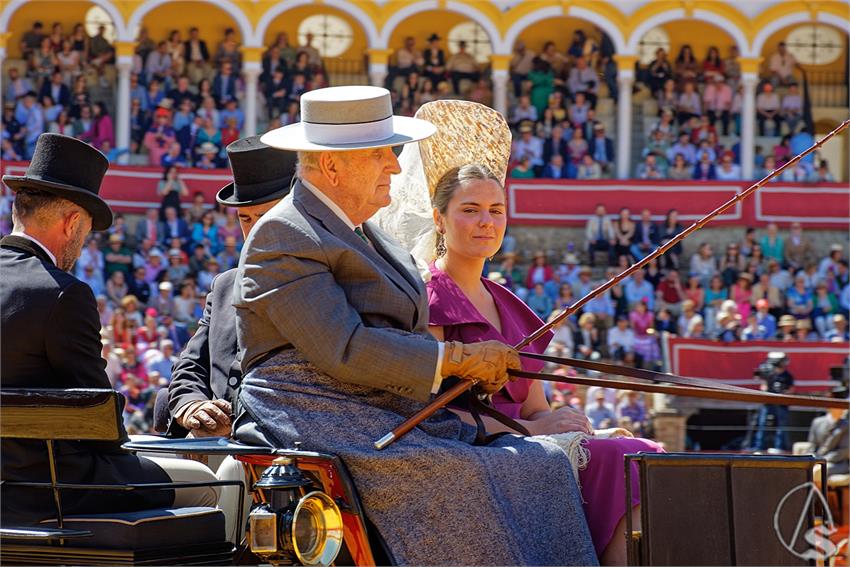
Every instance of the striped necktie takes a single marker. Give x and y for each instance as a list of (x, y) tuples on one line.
[(359, 232)]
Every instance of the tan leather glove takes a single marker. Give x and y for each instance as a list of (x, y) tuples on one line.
[(487, 361), (209, 418)]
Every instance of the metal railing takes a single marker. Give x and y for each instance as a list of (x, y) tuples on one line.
[(827, 88), (346, 71)]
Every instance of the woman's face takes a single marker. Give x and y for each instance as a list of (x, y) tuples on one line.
[(475, 219)]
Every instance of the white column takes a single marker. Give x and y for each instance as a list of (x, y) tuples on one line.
[(122, 106), (2, 75), (748, 124), (625, 80), (251, 72), (500, 91), (377, 74)]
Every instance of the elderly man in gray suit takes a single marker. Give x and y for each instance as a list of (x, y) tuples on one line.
[(332, 322)]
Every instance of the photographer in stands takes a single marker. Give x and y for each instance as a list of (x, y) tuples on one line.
[(775, 379)]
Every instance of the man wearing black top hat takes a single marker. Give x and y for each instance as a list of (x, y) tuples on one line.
[(206, 376), (51, 339)]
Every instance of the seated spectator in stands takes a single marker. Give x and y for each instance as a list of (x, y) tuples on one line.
[(43, 61), (555, 169), (772, 245), (224, 84), (659, 144), (646, 237), (523, 111), (8, 151), (686, 68), (172, 227), (196, 55), (588, 168), (208, 274), (407, 60), (799, 299), (182, 92), (57, 89), (754, 331), (670, 293), (599, 234), (206, 232), (825, 305), (51, 111), (650, 169), (600, 413), (158, 64), (741, 292), (520, 65), (117, 257), (116, 288), (703, 263), (822, 173), (583, 79), (83, 123), (717, 101), (577, 147), (462, 66), (712, 66), (230, 131), (703, 130), (159, 137), (728, 170), (314, 58), (704, 170), (228, 51), (688, 104), (831, 262), (32, 122), (100, 130), (601, 148), (587, 339), (540, 302), (579, 110), (232, 110), (555, 143), (799, 250), (838, 332), (680, 169), (523, 169), (273, 61), (637, 289), (791, 109), (139, 286), (767, 108), (17, 86), (277, 93), (684, 147), (781, 66), (621, 339), (528, 145), (176, 269), (659, 71), (434, 60), (91, 278), (803, 331), (668, 98)]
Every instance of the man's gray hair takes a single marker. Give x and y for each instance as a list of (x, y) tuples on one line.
[(41, 208), (307, 160)]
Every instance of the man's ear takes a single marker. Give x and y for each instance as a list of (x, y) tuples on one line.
[(70, 222), (329, 166)]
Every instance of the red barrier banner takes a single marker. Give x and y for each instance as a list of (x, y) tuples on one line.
[(558, 203), (133, 189), (571, 202), (735, 363)]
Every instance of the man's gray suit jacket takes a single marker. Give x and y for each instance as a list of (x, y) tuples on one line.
[(358, 312)]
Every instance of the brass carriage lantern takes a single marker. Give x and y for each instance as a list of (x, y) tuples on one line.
[(294, 523)]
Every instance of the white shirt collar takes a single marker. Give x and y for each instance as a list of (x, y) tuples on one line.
[(33, 239), (328, 202)]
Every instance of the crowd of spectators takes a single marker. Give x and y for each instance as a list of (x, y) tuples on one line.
[(185, 99), (768, 286)]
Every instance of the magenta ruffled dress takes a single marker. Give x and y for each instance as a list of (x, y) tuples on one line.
[(603, 480)]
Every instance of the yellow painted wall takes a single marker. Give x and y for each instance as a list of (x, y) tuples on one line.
[(560, 30), (288, 22), (210, 20), (699, 35), (66, 13), (423, 24), (770, 47)]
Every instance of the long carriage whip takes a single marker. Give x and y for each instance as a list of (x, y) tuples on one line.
[(462, 386)]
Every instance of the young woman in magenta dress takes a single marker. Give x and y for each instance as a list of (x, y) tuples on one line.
[(470, 215)]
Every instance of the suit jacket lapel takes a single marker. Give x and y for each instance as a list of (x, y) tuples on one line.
[(379, 255), (26, 245)]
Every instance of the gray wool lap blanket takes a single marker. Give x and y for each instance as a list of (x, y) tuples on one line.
[(435, 498)]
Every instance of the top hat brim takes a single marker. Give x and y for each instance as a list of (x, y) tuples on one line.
[(96, 207), (293, 137), (227, 196)]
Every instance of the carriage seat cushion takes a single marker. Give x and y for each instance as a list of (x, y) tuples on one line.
[(158, 527)]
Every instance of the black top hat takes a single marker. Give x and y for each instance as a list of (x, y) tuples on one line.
[(433, 37), (260, 173), (70, 169)]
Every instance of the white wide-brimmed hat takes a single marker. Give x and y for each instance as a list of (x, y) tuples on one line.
[(347, 118)]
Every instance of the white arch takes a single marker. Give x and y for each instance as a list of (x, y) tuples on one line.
[(459, 7), (359, 15), (775, 26), (109, 7), (238, 16), (679, 14), (557, 11)]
